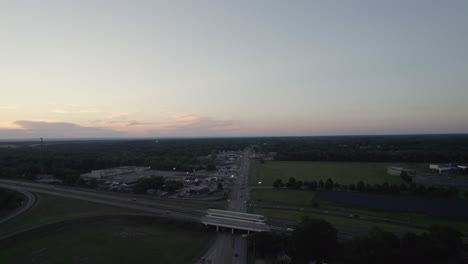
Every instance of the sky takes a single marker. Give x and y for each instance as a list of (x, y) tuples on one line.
[(232, 68)]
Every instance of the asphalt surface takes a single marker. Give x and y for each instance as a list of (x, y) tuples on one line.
[(30, 201), (60, 190), (176, 213)]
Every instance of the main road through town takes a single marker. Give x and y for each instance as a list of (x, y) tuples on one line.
[(228, 247)]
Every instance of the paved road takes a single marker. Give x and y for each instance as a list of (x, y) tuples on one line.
[(30, 201), (232, 248), (92, 194), (190, 215)]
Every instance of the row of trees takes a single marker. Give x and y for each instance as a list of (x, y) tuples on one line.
[(316, 239), (417, 148), (385, 188)]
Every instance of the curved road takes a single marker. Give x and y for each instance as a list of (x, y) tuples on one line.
[(30, 201), (191, 214)]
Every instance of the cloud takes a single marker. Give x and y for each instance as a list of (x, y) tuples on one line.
[(82, 111), (137, 123), (190, 124), (32, 129), (8, 107)]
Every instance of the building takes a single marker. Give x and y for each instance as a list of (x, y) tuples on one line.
[(397, 171), (444, 168)]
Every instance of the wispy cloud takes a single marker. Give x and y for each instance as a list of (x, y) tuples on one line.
[(8, 107), (82, 111), (187, 124), (30, 129)]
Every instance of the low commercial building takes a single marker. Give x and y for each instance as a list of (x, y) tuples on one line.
[(397, 171), (444, 168)]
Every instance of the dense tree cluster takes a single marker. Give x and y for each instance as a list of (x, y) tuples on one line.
[(9, 200), (144, 184), (416, 148), (438, 245), (315, 239), (312, 239), (68, 159)]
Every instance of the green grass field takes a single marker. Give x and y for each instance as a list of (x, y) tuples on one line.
[(300, 198), (49, 208), (341, 172), (123, 241), (335, 220), (305, 198)]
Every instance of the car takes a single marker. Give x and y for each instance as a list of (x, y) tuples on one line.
[(134, 199), (289, 229)]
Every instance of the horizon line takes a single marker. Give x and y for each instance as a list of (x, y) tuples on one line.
[(231, 137)]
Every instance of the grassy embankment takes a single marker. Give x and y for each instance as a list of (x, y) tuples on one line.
[(109, 241), (50, 208)]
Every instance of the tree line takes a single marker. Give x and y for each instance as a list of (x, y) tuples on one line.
[(66, 160), (360, 186), (411, 148), (317, 240)]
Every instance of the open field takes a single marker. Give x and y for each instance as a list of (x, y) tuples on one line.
[(442, 207), (341, 172), (303, 198), (109, 241), (49, 208), (334, 220), (300, 198)]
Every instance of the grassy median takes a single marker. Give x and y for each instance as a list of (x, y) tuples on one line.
[(123, 240)]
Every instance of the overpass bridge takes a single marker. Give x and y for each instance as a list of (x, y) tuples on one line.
[(235, 220)]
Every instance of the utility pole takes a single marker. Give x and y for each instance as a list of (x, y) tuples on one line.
[(41, 156)]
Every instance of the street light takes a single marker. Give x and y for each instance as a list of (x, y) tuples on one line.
[(259, 182)]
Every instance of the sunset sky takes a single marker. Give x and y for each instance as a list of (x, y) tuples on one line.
[(232, 68)]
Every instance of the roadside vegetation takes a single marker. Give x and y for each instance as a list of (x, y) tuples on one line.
[(117, 240), (9, 201), (317, 240), (50, 208)]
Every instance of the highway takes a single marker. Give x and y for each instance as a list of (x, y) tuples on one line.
[(232, 248), (60, 190), (167, 211)]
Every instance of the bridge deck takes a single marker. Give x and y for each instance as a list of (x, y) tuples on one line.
[(234, 223)]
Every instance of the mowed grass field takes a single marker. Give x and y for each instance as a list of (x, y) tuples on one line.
[(306, 198), (49, 208), (335, 220), (122, 241), (340, 172)]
